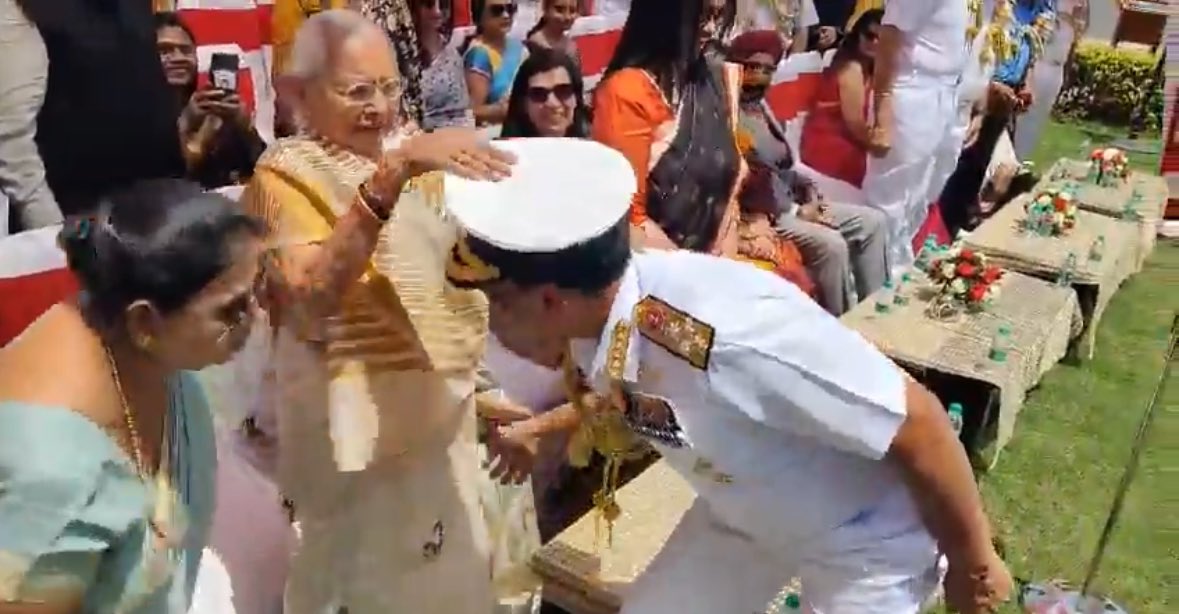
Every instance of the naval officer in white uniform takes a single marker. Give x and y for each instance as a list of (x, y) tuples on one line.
[(920, 61), (812, 454)]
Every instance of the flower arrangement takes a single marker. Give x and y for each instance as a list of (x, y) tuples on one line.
[(964, 276), (1051, 213), (1108, 166)]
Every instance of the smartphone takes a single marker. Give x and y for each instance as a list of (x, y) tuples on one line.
[(223, 69)]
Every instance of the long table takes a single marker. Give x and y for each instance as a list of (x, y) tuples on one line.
[(1042, 317), (1143, 195), (1095, 280)]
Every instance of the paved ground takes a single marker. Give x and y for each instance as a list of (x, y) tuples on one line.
[(1103, 18)]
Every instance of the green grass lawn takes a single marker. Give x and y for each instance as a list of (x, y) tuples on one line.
[(1052, 488), (1077, 140)]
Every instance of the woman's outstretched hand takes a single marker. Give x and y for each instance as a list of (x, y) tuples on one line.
[(460, 151)]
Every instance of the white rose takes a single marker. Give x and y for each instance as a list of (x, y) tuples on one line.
[(958, 286), (1058, 218), (993, 292), (948, 270), (1110, 154)]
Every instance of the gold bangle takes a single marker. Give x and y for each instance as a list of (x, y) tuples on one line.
[(366, 197)]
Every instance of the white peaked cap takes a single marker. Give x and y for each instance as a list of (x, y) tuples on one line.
[(561, 192)]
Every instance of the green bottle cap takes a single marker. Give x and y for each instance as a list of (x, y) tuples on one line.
[(906, 278), (888, 283), (1004, 329), (793, 602), (956, 408)]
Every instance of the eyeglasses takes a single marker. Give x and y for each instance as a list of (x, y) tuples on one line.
[(540, 95), (366, 91), (502, 10)]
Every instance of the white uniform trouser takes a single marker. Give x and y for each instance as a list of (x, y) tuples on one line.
[(900, 184), (887, 565), (1047, 79)]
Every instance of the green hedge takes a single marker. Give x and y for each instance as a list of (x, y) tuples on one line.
[(1106, 84)]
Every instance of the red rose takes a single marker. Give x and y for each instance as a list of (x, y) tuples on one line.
[(977, 292), (992, 274), (1060, 204), (966, 254), (965, 269)]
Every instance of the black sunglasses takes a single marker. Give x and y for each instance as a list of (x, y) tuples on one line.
[(540, 95), (501, 10)]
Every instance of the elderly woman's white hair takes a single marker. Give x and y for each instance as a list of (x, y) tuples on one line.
[(311, 50)]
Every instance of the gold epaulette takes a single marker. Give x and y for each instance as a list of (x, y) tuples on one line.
[(675, 331)]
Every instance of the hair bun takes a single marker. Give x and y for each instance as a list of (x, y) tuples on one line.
[(76, 239)]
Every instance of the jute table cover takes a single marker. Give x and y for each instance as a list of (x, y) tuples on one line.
[(584, 576), (1111, 201), (1042, 317), (1002, 239)]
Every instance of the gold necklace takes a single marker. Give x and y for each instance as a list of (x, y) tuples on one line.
[(162, 505)]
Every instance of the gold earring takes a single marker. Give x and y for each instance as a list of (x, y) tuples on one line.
[(146, 343)]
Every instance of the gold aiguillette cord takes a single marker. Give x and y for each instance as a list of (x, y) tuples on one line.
[(605, 432)]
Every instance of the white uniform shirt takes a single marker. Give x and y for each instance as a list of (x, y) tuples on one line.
[(783, 428), (935, 37)]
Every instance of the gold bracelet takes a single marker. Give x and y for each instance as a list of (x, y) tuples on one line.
[(366, 197)]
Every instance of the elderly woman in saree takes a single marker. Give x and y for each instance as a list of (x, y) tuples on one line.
[(376, 356)]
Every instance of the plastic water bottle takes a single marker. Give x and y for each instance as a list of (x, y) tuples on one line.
[(1001, 343), (884, 297), (925, 256), (901, 294), (955, 411), (1067, 271), (1097, 250)]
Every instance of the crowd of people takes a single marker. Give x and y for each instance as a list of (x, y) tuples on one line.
[(418, 374)]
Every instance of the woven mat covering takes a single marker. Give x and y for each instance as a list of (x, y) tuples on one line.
[(1152, 190), (1001, 238), (582, 575), (1102, 199), (1041, 316)]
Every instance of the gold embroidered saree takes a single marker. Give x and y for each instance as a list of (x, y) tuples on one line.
[(376, 403)]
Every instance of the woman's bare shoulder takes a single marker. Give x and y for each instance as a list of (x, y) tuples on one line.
[(57, 362)]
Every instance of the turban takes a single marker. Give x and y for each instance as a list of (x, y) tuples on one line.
[(757, 41)]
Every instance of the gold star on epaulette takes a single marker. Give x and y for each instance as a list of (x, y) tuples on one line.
[(675, 331)]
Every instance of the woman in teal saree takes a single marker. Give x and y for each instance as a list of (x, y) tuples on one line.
[(107, 454)]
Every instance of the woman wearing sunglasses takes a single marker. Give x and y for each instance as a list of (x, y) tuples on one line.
[(107, 454), (835, 139), (547, 99), (492, 58)]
